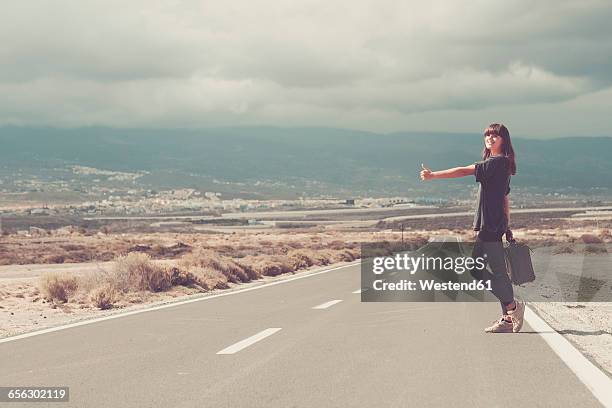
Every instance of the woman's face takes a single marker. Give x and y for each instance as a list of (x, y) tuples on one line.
[(494, 142)]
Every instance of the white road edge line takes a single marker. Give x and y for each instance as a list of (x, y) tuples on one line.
[(168, 305), (327, 304), (591, 376), (242, 344)]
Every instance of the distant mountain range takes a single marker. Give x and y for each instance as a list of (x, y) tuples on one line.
[(304, 159)]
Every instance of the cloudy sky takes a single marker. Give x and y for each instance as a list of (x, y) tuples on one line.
[(544, 68)]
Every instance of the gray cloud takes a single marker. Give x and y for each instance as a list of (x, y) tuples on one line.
[(378, 65)]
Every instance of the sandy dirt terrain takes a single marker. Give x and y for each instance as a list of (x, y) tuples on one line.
[(586, 325)]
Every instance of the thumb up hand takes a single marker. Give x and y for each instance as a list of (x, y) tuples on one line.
[(426, 173)]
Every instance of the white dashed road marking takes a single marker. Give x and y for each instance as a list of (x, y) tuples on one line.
[(327, 304), (234, 348)]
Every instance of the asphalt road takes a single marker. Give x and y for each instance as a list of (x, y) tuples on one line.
[(341, 354)]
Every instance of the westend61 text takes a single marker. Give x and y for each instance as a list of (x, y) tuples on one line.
[(406, 285)]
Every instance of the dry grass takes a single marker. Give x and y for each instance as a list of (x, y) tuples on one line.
[(347, 255), (84, 248), (300, 258), (209, 278), (136, 271), (295, 259), (131, 273), (270, 265), (202, 267), (595, 249), (591, 239), (563, 249), (104, 297), (201, 277), (58, 286), (234, 271)]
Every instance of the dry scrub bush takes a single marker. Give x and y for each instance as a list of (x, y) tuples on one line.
[(590, 239), (418, 241), (316, 246), (104, 297), (210, 278), (136, 271), (268, 265), (386, 248), (322, 257), (295, 244), (337, 245), (204, 278), (130, 273), (55, 259), (563, 249), (539, 242), (58, 286), (300, 259), (234, 271), (72, 247), (595, 249), (346, 255)]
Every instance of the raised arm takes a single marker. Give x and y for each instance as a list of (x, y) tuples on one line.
[(455, 172)]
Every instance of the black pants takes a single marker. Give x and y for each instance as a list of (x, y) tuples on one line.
[(489, 246)]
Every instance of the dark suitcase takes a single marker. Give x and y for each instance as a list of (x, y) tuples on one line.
[(518, 263)]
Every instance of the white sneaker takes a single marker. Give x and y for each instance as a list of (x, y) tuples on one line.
[(518, 316), (500, 326)]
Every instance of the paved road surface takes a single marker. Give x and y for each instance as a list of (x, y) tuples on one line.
[(326, 354)]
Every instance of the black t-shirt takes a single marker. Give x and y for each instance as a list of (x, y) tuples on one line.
[(494, 179)]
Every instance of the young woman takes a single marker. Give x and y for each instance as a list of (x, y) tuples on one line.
[(491, 219)]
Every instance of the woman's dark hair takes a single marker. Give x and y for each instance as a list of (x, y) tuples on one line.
[(507, 149)]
